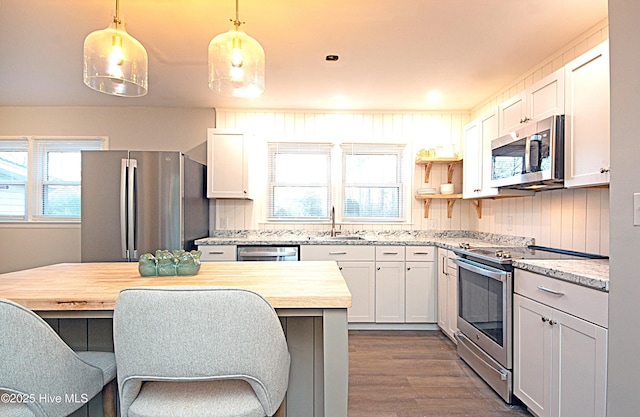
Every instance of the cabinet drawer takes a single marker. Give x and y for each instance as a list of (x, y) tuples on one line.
[(420, 253), (389, 253), (211, 253), (337, 252), (588, 304)]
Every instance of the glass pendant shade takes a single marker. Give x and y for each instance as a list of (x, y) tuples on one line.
[(236, 65), (115, 62)]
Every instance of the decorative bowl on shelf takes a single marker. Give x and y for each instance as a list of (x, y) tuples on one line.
[(446, 189)]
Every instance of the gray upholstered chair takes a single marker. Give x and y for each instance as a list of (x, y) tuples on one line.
[(41, 370), (196, 351)]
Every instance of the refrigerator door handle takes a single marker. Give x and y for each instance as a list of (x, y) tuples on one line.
[(123, 208), (131, 223)]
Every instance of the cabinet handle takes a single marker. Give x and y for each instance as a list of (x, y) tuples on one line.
[(408, 268), (378, 268), (525, 120), (389, 253), (544, 319), (604, 170), (340, 268), (337, 253), (420, 253), (550, 291), (216, 253), (552, 322)]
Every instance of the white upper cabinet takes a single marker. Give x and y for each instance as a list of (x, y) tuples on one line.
[(227, 164), (477, 156), (543, 99), (472, 168), (587, 134), (477, 153)]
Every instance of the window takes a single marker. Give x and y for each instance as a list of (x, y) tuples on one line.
[(14, 166), (299, 181), (40, 177), (301, 186), (372, 186)]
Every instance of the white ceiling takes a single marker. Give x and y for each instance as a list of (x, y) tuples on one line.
[(392, 52)]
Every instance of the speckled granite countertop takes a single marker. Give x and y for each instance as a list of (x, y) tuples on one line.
[(593, 273), (448, 239)]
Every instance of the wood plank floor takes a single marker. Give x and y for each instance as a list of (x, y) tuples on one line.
[(416, 374)]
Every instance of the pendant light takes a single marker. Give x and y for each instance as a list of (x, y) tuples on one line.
[(114, 62), (236, 63)]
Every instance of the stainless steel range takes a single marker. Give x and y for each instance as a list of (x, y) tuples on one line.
[(485, 297)]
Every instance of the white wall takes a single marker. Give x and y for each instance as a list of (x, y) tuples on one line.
[(26, 245), (417, 130), (570, 219), (576, 219), (624, 306)]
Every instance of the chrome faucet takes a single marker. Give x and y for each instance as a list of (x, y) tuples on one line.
[(334, 233)]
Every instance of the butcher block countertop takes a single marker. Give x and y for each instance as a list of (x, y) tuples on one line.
[(95, 286)]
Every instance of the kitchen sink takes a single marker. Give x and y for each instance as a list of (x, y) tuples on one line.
[(338, 238)]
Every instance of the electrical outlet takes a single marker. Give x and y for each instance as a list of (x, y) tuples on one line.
[(509, 223), (223, 223)]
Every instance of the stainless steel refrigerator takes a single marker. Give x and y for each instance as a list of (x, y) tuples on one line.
[(135, 202)]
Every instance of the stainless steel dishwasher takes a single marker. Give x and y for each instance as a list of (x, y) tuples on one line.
[(268, 253)]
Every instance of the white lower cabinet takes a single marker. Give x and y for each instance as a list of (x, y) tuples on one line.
[(447, 293), (420, 285), (420, 290), (390, 292), (357, 264), (388, 284), (360, 278), (560, 360)]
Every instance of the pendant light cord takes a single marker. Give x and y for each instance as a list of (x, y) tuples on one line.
[(116, 18), (237, 22)]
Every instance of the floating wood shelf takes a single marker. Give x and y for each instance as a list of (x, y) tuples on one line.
[(428, 163)]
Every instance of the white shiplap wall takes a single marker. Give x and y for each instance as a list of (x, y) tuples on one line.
[(575, 219), (571, 219), (415, 129)]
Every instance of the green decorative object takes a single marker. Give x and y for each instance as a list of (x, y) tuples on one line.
[(147, 265), (188, 262), (166, 263)]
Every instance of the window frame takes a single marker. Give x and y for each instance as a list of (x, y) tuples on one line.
[(336, 194), (37, 170), (306, 148), (395, 149)]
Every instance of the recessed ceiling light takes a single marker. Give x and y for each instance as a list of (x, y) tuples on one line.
[(434, 97), (340, 102)]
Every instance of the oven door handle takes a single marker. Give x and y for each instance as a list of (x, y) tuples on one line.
[(481, 269)]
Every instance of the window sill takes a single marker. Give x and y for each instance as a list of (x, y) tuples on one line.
[(39, 225)]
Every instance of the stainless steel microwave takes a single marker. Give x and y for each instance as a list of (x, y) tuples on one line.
[(530, 158)]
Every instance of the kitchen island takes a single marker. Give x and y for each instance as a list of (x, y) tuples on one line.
[(311, 299)]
